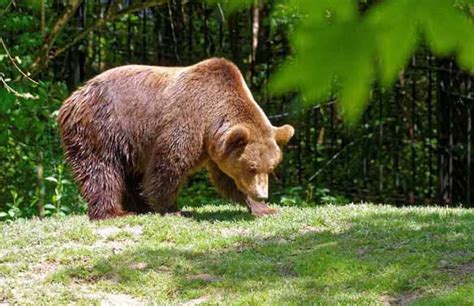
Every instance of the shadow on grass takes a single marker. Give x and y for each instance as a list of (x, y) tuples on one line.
[(379, 257), (220, 214)]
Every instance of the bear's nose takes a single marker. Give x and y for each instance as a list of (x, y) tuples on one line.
[(261, 192)]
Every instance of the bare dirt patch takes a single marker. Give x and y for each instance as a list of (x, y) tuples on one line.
[(402, 299), (234, 232), (204, 277), (111, 299), (463, 269), (45, 267), (197, 301), (310, 229), (107, 233), (138, 266)]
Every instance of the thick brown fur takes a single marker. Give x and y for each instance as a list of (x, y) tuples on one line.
[(133, 134)]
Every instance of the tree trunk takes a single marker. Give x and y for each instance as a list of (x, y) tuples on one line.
[(255, 32)]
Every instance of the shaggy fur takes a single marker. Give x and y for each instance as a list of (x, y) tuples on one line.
[(133, 134)]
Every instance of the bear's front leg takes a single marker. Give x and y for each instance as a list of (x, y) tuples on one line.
[(227, 188)]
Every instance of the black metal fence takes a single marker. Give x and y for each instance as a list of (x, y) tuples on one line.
[(412, 146)]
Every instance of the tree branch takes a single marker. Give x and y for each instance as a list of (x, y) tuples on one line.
[(112, 13), (6, 8), (12, 60), (49, 39)]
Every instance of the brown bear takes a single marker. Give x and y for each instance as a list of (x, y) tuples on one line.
[(133, 134)]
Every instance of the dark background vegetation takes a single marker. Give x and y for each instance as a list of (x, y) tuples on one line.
[(411, 145)]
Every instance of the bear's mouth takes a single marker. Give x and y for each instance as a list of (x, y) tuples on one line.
[(261, 194)]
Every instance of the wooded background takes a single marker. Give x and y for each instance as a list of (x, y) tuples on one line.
[(413, 144)]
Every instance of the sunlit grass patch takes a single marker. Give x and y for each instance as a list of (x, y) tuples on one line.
[(332, 254)]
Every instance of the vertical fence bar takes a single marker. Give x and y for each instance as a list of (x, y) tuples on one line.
[(430, 128), (308, 142), (99, 49), (468, 156), (381, 155), (81, 52), (331, 150), (316, 141), (268, 57), (451, 137), (221, 30), (129, 36), (190, 28), (411, 195), (206, 30), (285, 160), (144, 35), (345, 142), (364, 150), (444, 105), (397, 133), (114, 43), (299, 149), (159, 37)]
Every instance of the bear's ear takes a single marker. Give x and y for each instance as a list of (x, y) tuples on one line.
[(237, 137), (283, 134)]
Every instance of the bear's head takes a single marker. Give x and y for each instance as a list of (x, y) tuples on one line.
[(248, 158)]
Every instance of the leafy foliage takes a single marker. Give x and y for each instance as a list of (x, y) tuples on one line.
[(339, 51), (32, 179), (310, 196)]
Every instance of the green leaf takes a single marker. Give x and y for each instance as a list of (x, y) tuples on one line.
[(356, 89), (7, 100), (466, 57), (449, 31), (51, 179), (443, 26), (49, 206), (395, 37)]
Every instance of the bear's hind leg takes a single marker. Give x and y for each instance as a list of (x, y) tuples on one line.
[(103, 187)]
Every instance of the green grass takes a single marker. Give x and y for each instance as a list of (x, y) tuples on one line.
[(357, 254)]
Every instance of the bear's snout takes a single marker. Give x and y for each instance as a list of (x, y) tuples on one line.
[(261, 188)]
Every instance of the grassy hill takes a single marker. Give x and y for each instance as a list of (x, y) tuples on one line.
[(348, 254)]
